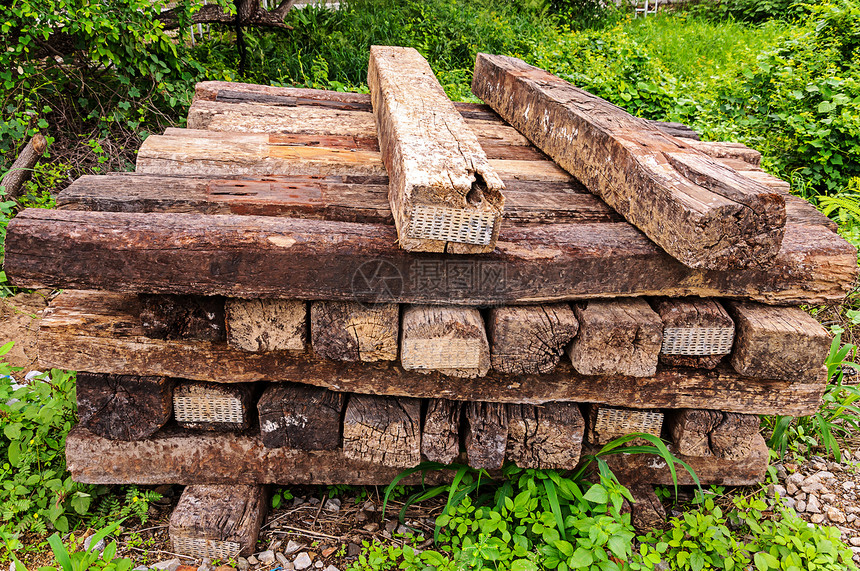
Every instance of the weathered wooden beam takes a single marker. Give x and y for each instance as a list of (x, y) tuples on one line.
[(486, 434), (696, 332), (440, 438), (220, 521), (180, 457), (647, 512), (101, 331), (735, 436), (352, 331), (727, 150), (442, 188), (183, 317), (266, 257), (699, 211), (259, 325), (548, 436), (383, 430), (607, 423), (449, 340), (529, 339), (212, 406), (690, 430), (778, 342), (619, 337), (300, 417), (342, 198), (123, 407)]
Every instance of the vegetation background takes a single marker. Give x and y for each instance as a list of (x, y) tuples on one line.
[(778, 75)]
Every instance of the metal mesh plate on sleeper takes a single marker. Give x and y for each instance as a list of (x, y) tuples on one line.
[(207, 409), (624, 421), (697, 340), (199, 547), (451, 225)]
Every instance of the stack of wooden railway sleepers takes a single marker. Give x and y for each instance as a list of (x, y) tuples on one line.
[(261, 303)]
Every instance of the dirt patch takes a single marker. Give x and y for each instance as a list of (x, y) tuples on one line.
[(19, 322)]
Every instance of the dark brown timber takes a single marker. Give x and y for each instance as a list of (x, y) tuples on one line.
[(548, 436), (529, 339), (352, 331), (383, 430), (300, 417), (252, 256), (696, 332), (183, 317), (124, 407), (486, 434), (440, 439)]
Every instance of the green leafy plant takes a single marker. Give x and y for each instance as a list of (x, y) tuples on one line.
[(837, 416), (280, 496), (89, 558)]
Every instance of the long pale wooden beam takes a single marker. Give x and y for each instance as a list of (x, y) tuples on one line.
[(701, 212), (444, 194)]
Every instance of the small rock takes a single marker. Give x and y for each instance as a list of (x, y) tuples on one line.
[(812, 488), (800, 496), (828, 498), (855, 541), (168, 564), (835, 515), (801, 506), (266, 557), (853, 510), (253, 560), (99, 546), (353, 550), (817, 518), (242, 564), (223, 568), (328, 551), (780, 472), (848, 485), (371, 527), (369, 506), (205, 566), (138, 568), (332, 505), (276, 545), (813, 506), (331, 568), (795, 479), (292, 547), (298, 500), (789, 502), (282, 559), (360, 517), (791, 488), (775, 489), (302, 561), (403, 530), (288, 566), (851, 518), (391, 525), (314, 501), (825, 475), (318, 564)]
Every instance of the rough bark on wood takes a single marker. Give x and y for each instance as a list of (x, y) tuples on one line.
[(606, 423), (486, 434), (212, 406), (300, 417), (179, 457), (177, 316), (101, 331), (696, 332), (777, 342), (548, 436), (648, 512), (619, 337), (690, 430), (699, 211), (442, 188), (383, 430), (123, 407), (352, 331), (440, 439), (529, 339), (727, 150), (22, 169), (259, 325), (449, 340), (218, 521), (735, 436)]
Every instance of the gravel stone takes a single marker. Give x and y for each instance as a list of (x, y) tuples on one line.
[(242, 564), (266, 557), (332, 505), (835, 515), (292, 547), (282, 559), (99, 546), (302, 561), (801, 506), (168, 564), (817, 518), (813, 506)]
